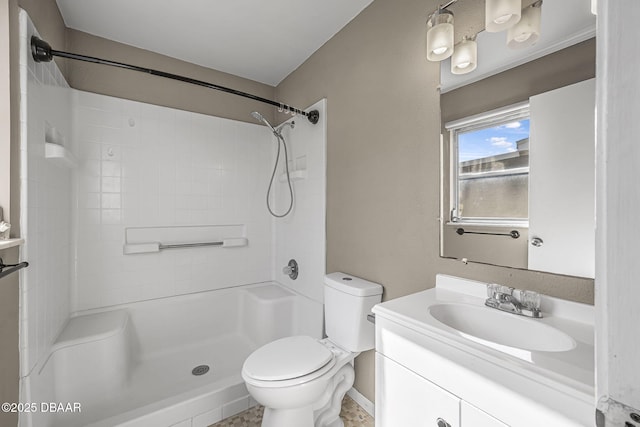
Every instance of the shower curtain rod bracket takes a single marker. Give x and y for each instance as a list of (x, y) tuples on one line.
[(313, 116), (41, 51)]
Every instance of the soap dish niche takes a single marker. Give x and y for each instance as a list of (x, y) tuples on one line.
[(52, 135), (295, 175), (54, 147), (297, 170)]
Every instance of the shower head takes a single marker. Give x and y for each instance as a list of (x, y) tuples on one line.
[(260, 118)]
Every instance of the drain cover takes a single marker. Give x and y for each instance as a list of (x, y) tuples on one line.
[(200, 370)]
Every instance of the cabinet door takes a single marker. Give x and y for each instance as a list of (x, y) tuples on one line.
[(562, 180), (471, 416), (403, 398)]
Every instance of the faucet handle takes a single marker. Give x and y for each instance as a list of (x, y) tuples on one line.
[(494, 289), (530, 299), (490, 288), (507, 290)]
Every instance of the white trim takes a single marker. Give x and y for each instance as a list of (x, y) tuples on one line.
[(515, 110), (489, 222), (617, 251), (364, 403)]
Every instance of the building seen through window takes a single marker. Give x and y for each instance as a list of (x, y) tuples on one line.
[(492, 176)]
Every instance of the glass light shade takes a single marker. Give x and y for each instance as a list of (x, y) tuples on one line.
[(526, 32), (465, 57), (501, 14), (439, 43)]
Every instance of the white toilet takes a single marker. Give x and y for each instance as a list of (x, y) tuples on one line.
[(300, 380)]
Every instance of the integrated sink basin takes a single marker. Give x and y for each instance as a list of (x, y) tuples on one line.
[(492, 327), (495, 367)]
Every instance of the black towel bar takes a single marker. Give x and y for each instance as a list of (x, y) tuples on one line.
[(513, 233), (10, 268)]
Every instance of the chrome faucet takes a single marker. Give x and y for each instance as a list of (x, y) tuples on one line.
[(511, 300)]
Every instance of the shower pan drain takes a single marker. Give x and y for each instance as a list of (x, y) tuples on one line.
[(200, 370)]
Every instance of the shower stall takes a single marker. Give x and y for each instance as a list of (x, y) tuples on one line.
[(155, 266)]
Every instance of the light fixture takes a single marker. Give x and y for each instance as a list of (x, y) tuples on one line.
[(527, 31), (501, 14), (439, 44), (465, 56), (523, 27)]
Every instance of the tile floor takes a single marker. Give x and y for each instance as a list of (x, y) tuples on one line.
[(352, 414)]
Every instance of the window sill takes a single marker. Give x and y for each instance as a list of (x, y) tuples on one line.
[(488, 224)]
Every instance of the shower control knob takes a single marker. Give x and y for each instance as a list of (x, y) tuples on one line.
[(291, 269), (442, 423), (537, 242)]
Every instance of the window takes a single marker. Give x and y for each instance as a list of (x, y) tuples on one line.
[(490, 167)]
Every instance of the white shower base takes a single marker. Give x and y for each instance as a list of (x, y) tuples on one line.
[(131, 365)]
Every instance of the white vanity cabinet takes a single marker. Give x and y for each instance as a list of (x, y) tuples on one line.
[(474, 417), (430, 375), (407, 399), (404, 398)]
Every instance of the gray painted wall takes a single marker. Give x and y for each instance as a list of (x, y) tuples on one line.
[(157, 90), (567, 66)]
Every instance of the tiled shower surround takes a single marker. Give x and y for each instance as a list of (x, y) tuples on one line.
[(46, 194), (143, 165)]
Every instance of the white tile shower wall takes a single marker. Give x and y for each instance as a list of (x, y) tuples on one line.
[(46, 205), (301, 235), (143, 165)]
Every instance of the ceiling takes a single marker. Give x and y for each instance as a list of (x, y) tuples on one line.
[(266, 40), (563, 23), (257, 39)]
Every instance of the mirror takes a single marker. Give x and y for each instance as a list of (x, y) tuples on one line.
[(493, 170)]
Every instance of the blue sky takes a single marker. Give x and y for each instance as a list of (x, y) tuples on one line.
[(491, 141)]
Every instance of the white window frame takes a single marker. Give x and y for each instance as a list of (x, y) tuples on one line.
[(487, 119)]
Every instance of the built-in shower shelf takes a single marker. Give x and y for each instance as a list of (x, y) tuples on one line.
[(296, 175), (143, 248), (60, 155)]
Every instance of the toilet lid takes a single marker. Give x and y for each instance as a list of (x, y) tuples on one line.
[(287, 358)]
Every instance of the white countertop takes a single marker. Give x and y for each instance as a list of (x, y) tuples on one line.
[(572, 370)]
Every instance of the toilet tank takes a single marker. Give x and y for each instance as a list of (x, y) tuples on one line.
[(347, 301)]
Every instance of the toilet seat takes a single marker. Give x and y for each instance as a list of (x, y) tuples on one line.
[(288, 361)]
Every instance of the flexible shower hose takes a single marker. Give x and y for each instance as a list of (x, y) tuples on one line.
[(275, 168)]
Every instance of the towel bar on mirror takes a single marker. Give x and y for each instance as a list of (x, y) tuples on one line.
[(513, 233)]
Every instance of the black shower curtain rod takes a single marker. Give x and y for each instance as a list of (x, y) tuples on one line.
[(42, 52)]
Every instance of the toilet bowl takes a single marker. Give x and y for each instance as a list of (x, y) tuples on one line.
[(317, 370), (301, 381)]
